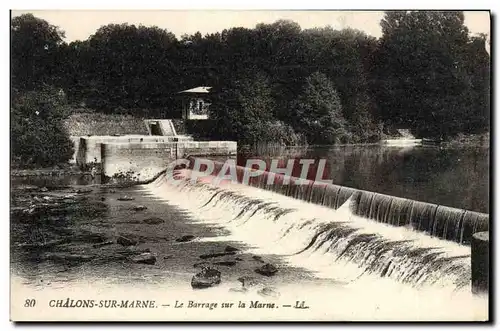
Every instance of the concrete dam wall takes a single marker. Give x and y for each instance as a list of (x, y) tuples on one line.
[(444, 222)]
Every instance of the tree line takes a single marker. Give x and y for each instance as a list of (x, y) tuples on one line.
[(275, 82)]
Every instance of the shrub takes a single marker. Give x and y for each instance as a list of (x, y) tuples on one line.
[(38, 137)]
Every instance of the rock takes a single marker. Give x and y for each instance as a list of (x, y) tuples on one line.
[(139, 208), (83, 190), (226, 263), (168, 257), (111, 191), (109, 242), (238, 259), (247, 281), (125, 198), (103, 198), (144, 258), (208, 277), (153, 220), (269, 292), (184, 239), (44, 189), (257, 258), (230, 249), (207, 256), (267, 270), (124, 241), (240, 289)]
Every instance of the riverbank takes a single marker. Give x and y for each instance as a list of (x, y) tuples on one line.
[(59, 170), (468, 141)]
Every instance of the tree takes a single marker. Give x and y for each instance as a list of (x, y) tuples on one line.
[(38, 137), (132, 67), (422, 80), (318, 112), (35, 57), (242, 107)]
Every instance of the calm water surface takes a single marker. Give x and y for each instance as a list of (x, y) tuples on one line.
[(451, 177)]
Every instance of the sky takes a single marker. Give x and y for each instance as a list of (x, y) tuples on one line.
[(80, 24)]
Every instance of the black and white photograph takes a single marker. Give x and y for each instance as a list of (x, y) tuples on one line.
[(250, 165)]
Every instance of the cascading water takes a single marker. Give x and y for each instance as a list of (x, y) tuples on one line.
[(439, 221), (322, 238)]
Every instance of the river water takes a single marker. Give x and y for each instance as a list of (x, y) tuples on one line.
[(64, 231), (446, 176)]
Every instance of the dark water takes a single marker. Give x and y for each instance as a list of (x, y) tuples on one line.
[(451, 177)]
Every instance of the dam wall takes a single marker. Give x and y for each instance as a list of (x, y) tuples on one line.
[(444, 222), (139, 161), (88, 149), (136, 161)]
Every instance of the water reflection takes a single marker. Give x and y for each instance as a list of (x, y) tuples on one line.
[(451, 177)]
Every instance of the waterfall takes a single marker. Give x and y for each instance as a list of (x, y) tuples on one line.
[(330, 226), (444, 222)]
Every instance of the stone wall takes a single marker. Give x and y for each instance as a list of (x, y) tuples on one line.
[(142, 161), (136, 161), (96, 124), (88, 149)]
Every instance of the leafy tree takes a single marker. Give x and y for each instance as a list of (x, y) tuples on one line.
[(35, 57), (132, 66), (243, 108), (421, 67), (38, 137), (318, 112)]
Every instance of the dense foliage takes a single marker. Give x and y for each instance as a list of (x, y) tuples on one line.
[(276, 82), (38, 137)]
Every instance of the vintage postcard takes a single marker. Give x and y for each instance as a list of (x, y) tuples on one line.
[(250, 165)]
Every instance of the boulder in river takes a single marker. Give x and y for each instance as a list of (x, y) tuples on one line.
[(248, 281), (231, 249), (44, 189), (153, 220), (126, 198), (186, 238), (139, 208), (269, 292), (258, 258), (144, 258), (267, 270), (238, 289), (227, 263), (124, 241), (208, 277), (83, 190)]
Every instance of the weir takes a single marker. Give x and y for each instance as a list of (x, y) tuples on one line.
[(332, 242), (444, 222), (412, 242)]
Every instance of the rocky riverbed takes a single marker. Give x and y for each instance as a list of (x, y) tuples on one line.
[(69, 233)]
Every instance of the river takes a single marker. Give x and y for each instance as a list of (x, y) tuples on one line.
[(64, 236), (451, 177)]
